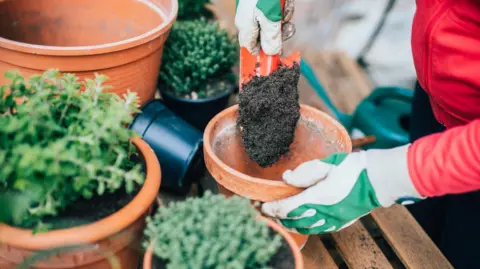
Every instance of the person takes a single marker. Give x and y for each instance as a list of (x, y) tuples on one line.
[(443, 160)]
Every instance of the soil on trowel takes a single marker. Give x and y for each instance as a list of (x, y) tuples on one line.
[(85, 211), (269, 111)]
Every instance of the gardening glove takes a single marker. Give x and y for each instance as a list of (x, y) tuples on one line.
[(260, 24), (342, 188)]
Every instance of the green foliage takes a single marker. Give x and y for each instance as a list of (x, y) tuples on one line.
[(198, 60), (192, 9), (61, 144), (211, 232)]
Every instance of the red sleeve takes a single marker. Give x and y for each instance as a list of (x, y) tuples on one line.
[(448, 162)]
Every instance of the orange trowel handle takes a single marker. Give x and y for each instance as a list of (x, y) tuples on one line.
[(256, 65)]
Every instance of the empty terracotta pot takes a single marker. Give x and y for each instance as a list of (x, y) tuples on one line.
[(112, 240), (122, 39), (297, 255), (317, 135)]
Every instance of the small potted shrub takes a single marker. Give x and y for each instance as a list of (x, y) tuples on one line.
[(217, 232), (193, 9), (71, 173), (197, 77)]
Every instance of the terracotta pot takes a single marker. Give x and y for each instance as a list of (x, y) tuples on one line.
[(122, 39), (297, 255), (116, 236), (317, 136)]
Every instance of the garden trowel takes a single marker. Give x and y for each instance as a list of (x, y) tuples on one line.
[(263, 64)]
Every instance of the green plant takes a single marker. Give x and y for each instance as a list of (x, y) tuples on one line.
[(61, 144), (198, 60), (211, 232), (193, 9)]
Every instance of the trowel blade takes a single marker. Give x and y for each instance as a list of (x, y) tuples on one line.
[(262, 64)]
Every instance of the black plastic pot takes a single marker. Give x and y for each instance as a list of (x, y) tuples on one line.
[(177, 144), (196, 112)]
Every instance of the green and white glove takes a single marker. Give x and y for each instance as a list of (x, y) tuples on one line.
[(262, 20), (342, 188)]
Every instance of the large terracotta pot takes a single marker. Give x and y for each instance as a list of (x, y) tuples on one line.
[(317, 135), (115, 238), (297, 255), (122, 39)]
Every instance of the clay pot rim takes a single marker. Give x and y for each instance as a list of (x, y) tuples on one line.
[(272, 183), (297, 254), (96, 231), (168, 16)]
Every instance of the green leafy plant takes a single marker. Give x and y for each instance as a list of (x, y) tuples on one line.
[(61, 144), (211, 232), (198, 60), (193, 9)]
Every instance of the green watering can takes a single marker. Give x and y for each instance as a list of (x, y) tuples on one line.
[(385, 113)]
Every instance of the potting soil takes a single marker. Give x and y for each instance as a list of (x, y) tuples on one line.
[(85, 211), (269, 111)]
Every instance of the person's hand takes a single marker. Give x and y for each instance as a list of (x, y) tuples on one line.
[(260, 24), (342, 188)]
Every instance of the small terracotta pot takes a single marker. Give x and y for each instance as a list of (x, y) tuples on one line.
[(297, 255), (115, 238), (122, 39), (317, 135)]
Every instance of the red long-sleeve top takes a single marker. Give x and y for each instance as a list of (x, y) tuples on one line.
[(446, 52), (448, 162)]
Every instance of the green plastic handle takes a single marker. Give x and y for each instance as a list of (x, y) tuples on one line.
[(382, 93)]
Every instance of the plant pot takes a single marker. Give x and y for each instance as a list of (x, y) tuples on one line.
[(176, 143), (317, 135), (122, 39), (196, 112), (116, 236), (297, 255)]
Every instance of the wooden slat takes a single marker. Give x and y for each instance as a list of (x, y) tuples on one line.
[(358, 248), (412, 245), (315, 255)]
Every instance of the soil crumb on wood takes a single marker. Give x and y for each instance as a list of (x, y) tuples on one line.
[(269, 112)]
